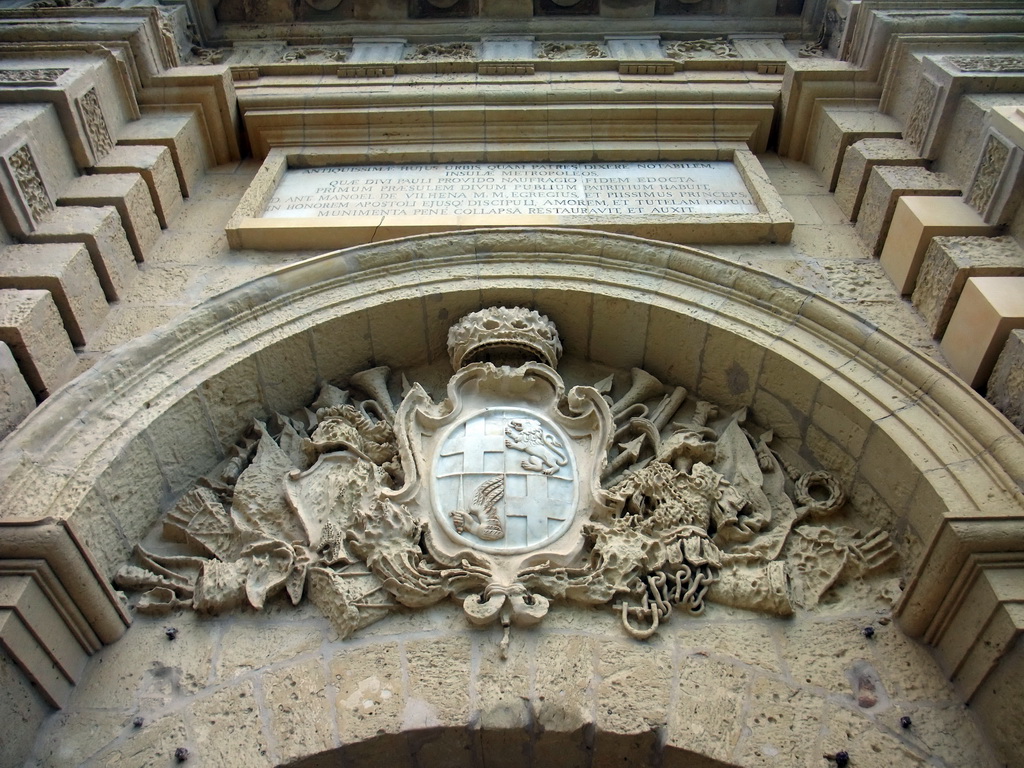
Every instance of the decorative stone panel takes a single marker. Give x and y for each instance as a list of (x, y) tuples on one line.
[(995, 189), (41, 76), (32, 194), (90, 111)]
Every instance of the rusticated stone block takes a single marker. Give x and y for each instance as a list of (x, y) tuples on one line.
[(155, 165), (101, 231), (182, 135), (128, 193), (30, 325), (1006, 384), (16, 400), (947, 264), (917, 219), (65, 270), (886, 185), (858, 160), (840, 123), (988, 309)]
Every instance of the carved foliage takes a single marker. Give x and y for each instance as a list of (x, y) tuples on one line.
[(509, 494), (442, 51), (717, 48), (994, 157), (30, 183), (30, 76), (571, 51), (992, 63), (916, 130), (91, 112)]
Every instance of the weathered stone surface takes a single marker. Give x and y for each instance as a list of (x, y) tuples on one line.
[(369, 698), (22, 710), (156, 166), (858, 160), (226, 729), (152, 670), (1006, 384), (949, 262), (782, 723), (84, 733), (622, 669), (65, 270), (886, 184), (251, 644), (750, 642), (16, 400), (840, 123), (31, 327), (707, 714), (129, 194), (438, 691), (151, 746), (101, 231), (182, 134), (503, 696), (301, 719)]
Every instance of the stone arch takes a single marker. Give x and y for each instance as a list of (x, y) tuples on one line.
[(560, 750), (921, 453)]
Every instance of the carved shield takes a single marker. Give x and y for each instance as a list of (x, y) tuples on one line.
[(505, 475)]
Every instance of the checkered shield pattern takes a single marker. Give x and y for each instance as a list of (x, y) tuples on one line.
[(536, 508)]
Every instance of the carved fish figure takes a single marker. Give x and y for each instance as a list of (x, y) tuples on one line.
[(481, 519)]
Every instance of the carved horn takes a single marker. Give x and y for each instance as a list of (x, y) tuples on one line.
[(374, 382), (644, 387)]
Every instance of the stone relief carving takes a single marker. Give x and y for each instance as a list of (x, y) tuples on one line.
[(206, 57), (571, 51), (994, 157), (169, 37), (444, 51), (95, 124), (832, 28), (313, 54), (1008, 63), (30, 76), (916, 129), (64, 4), (509, 493), (717, 47), (30, 183)]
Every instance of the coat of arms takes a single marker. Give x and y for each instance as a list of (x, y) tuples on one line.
[(508, 492)]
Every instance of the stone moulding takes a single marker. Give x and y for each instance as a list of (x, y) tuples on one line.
[(246, 228), (92, 465)]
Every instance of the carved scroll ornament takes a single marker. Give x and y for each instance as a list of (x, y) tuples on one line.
[(509, 494)]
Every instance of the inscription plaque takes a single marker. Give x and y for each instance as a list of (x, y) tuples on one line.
[(513, 189)]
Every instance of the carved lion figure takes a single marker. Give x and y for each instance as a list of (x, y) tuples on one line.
[(546, 454)]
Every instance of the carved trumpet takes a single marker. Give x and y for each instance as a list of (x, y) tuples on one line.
[(374, 382), (644, 387)]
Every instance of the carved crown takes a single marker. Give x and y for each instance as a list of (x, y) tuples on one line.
[(505, 336)]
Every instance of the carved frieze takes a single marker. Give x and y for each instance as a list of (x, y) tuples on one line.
[(510, 494), (571, 51), (33, 194), (313, 54), (45, 76), (91, 112), (989, 63), (992, 165), (442, 52), (711, 48), (916, 130)]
